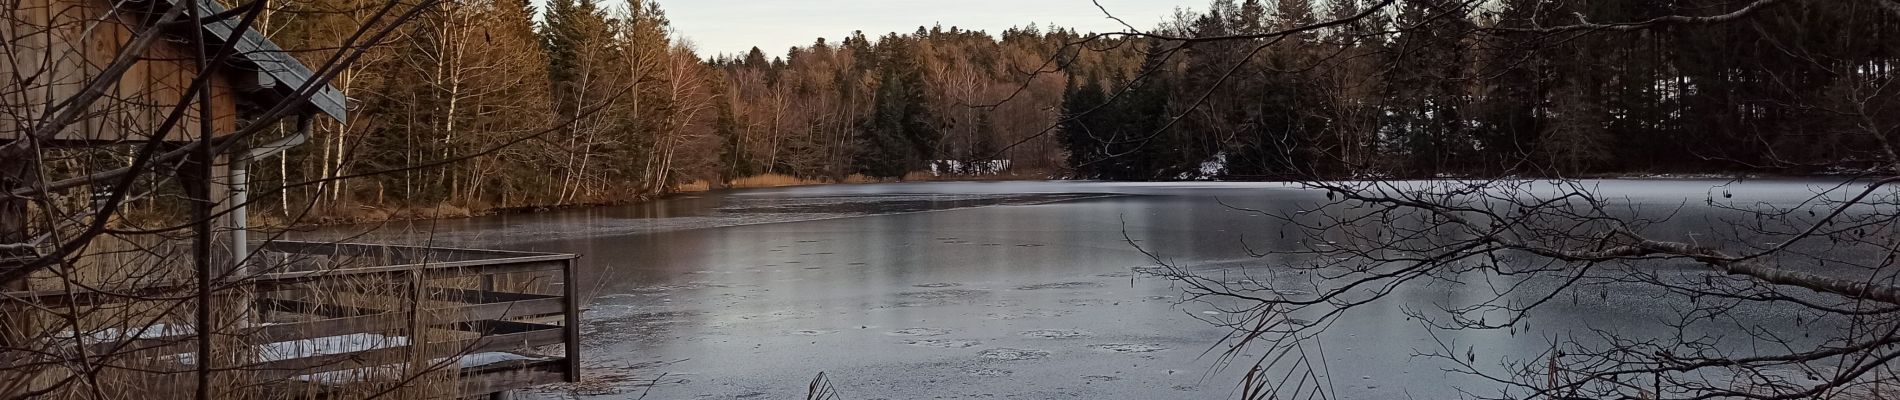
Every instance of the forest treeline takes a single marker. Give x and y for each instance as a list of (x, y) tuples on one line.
[(608, 104), (587, 103), (1425, 88)]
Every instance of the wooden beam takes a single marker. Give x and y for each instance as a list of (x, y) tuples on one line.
[(499, 327), (571, 319), (268, 282), (326, 310), (434, 270), (476, 296), (442, 317), (359, 249)]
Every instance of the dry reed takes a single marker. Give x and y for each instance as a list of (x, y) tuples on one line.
[(772, 180)]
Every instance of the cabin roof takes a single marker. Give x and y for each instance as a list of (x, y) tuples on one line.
[(278, 73)]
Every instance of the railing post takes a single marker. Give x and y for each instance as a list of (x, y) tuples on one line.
[(570, 295)]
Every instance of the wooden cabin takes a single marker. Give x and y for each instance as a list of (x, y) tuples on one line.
[(61, 46), (293, 319)]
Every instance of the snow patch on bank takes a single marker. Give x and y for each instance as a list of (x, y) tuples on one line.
[(1212, 168), (959, 167)]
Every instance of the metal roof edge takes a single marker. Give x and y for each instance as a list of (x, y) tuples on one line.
[(286, 73)]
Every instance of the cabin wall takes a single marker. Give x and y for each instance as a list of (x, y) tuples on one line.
[(50, 50), (57, 47)]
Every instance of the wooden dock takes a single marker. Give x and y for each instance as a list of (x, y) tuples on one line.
[(328, 318)]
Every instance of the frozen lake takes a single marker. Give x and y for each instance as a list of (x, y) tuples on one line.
[(1000, 290)]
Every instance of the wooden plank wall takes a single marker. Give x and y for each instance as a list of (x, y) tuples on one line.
[(50, 50), (55, 47)]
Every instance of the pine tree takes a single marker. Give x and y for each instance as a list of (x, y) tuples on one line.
[(1136, 140), (900, 135), (1424, 92), (1511, 104), (514, 101), (1580, 139), (1078, 138), (583, 69), (576, 34)]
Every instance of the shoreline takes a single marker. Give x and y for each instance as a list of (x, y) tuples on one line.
[(421, 213), (448, 211)]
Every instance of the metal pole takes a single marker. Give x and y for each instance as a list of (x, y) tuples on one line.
[(240, 221), (241, 190)]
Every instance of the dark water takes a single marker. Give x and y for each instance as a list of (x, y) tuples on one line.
[(997, 290)]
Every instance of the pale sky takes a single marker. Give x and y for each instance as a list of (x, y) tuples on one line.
[(734, 26)]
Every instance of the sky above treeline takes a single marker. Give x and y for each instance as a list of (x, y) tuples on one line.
[(735, 26)]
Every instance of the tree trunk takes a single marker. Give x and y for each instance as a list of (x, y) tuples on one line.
[(14, 174)]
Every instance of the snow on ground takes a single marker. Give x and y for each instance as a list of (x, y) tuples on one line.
[(108, 335), (303, 348), (328, 345), (395, 371), (1209, 169)]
